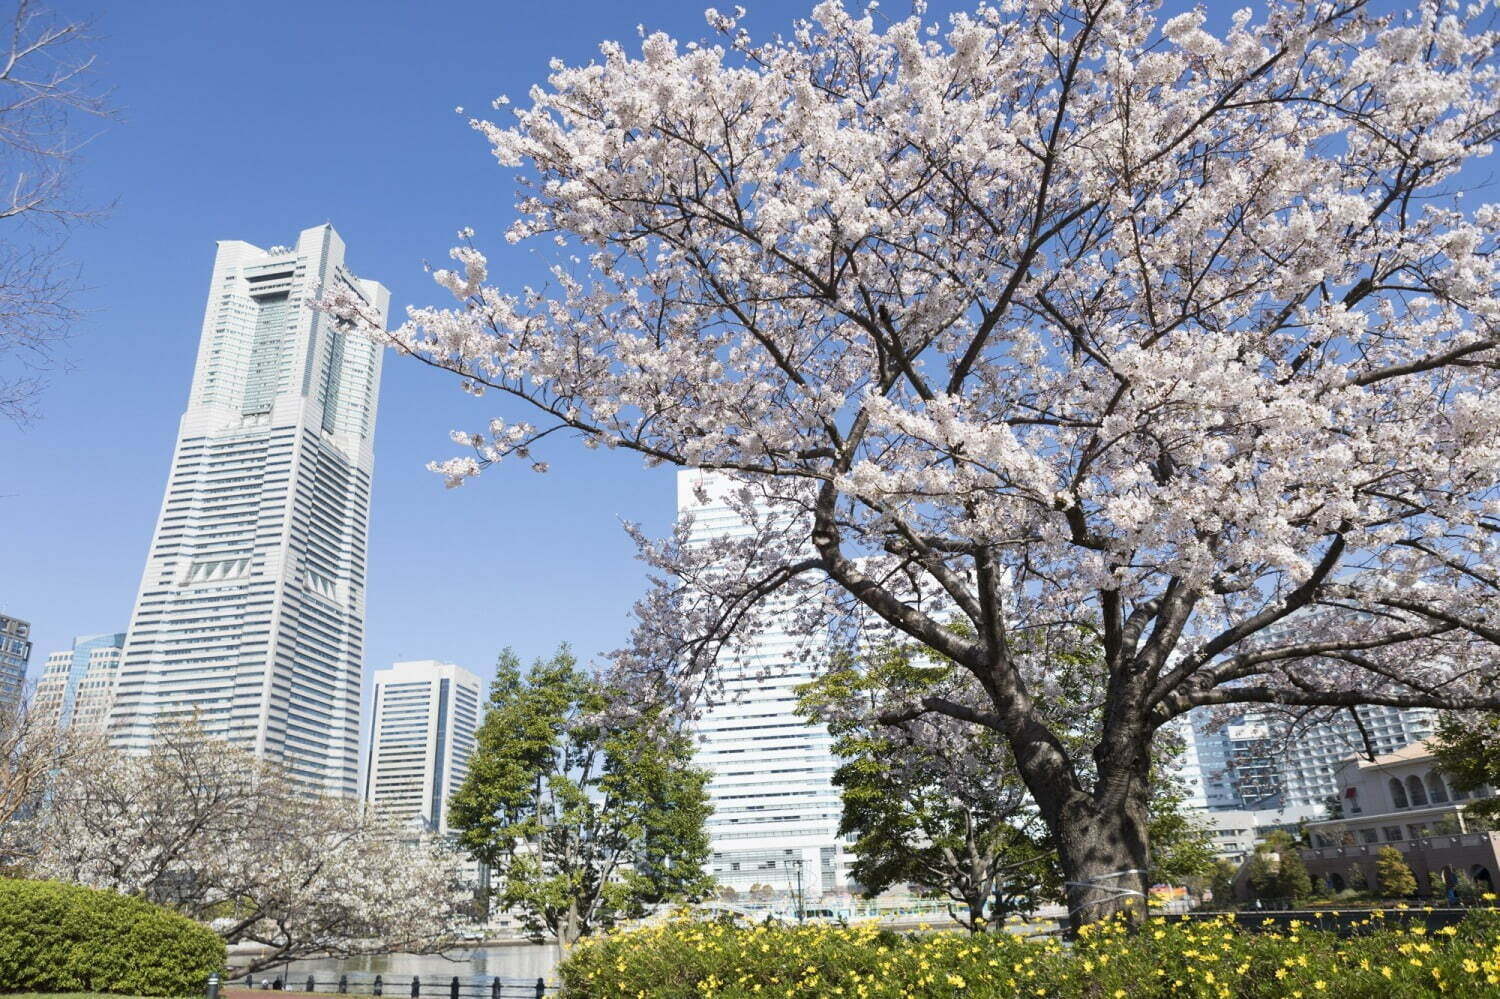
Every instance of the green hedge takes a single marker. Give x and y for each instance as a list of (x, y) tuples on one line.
[(63, 938), (1205, 959)]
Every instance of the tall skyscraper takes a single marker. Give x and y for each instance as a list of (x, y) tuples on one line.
[(15, 653), (425, 716), (250, 615), (1251, 761), (776, 810), (77, 687)]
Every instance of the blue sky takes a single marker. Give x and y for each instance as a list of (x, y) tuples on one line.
[(252, 121)]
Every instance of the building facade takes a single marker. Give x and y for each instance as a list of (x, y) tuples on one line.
[(1251, 762), (426, 715), (1403, 800), (15, 654), (776, 809), (77, 687), (250, 613)]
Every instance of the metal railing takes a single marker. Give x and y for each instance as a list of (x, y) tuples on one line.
[(457, 987)]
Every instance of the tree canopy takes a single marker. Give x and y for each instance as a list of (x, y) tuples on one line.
[(583, 821), (232, 841), (1058, 310), (930, 801)]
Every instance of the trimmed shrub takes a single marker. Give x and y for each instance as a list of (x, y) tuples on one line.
[(1206, 959), (63, 938)]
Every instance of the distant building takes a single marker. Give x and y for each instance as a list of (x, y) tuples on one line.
[(15, 654), (1402, 800), (426, 714), (776, 810), (77, 686), (1252, 762), (1234, 833), (250, 614)]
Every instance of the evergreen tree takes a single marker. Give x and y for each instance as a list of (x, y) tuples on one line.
[(584, 823), (1221, 883), (1392, 874), (1292, 879)]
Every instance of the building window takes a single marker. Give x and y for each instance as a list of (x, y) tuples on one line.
[(1392, 834), (1415, 791), (1368, 836), (1398, 794), (1436, 793)]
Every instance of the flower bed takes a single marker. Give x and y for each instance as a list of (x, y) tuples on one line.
[(1211, 959)]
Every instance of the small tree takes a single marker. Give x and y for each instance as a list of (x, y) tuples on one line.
[(230, 840), (930, 801), (1292, 880), (1182, 846), (1260, 875), (1269, 875), (583, 823), (1392, 874), (1221, 883)]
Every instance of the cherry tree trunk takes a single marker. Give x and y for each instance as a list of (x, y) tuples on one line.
[(1104, 855)]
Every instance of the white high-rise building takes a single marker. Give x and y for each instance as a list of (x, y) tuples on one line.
[(426, 714), (77, 685), (1251, 761), (250, 614), (775, 807)]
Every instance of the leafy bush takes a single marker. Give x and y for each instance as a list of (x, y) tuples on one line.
[(64, 938), (1202, 958)]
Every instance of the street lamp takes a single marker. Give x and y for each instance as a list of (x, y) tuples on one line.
[(801, 908)]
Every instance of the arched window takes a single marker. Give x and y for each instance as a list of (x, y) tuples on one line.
[(1415, 791), (1398, 794), (1436, 793)]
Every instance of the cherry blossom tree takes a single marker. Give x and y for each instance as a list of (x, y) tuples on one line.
[(222, 837), (1181, 331)]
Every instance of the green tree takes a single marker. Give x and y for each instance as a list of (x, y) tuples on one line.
[(930, 801), (939, 803), (1276, 870), (1467, 747), (1221, 883), (583, 822), (1260, 875), (1392, 874), (1292, 880), (1182, 847)]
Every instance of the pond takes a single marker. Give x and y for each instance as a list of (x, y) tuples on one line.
[(516, 962)]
